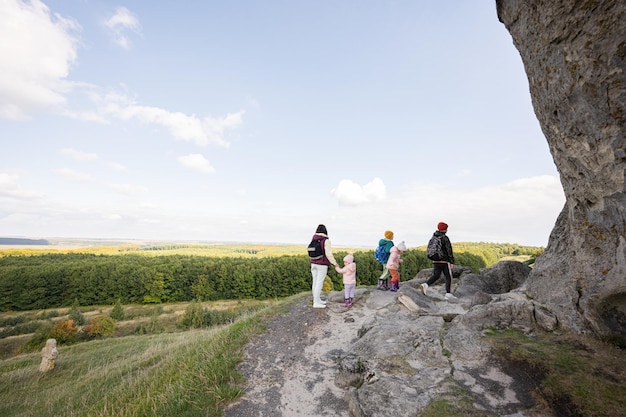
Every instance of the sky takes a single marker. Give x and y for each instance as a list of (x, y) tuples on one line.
[(255, 121)]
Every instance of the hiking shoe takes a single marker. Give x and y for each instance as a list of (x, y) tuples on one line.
[(319, 305), (424, 287), (450, 296)]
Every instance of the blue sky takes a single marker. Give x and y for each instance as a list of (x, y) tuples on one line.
[(254, 121)]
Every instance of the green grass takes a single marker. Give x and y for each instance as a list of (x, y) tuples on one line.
[(576, 376), (457, 402), (190, 373)]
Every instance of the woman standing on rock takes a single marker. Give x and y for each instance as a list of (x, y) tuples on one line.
[(319, 266)]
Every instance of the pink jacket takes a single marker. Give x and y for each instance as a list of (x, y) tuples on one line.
[(348, 270), (394, 258)]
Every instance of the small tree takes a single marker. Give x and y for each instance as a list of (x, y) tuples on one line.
[(64, 332), (118, 311), (76, 315), (101, 326), (193, 316), (38, 340), (154, 326)]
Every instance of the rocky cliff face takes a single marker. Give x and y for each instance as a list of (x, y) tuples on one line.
[(574, 53)]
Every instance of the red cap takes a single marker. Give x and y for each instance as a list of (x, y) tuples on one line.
[(441, 226)]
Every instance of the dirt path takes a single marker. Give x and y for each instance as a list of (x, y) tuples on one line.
[(291, 369)]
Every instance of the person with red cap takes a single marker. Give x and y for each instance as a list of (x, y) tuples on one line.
[(443, 259)]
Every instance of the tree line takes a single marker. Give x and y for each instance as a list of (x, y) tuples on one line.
[(59, 280)]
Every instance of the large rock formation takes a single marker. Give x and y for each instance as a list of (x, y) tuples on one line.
[(574, 53)]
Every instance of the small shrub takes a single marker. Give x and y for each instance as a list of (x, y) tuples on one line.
[(154, 326), (193, 316), (328, 284), (81, 335), (76, 315), (64, 332), (118, 311), (101, 326), (150, 299), (44, 315), (218, 317), (12, 321), (38, 341), (24, 328)]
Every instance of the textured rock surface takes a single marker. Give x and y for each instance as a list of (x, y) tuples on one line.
[(381, 358), (574, 54), (48, 354)]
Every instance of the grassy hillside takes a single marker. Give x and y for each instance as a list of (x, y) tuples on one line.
[(193, 373), (172, 372)]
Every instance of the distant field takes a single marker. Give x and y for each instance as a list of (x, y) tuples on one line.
[(490, 252), (152, 248)]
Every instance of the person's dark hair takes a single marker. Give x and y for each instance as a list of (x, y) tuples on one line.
[(321, 229)]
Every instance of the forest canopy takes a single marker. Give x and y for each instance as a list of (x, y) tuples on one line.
[(35, 280)]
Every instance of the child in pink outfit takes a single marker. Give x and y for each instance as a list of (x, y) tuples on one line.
[(393, 264), (349, 279)]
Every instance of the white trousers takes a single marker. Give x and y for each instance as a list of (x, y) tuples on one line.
[(319, 274)]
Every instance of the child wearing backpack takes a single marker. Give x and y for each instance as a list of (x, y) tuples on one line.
[(393, 264), (382, 255), (440, 252), (349, 279)]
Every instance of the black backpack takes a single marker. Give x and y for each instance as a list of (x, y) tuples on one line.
[(316, 249), (435, 249)]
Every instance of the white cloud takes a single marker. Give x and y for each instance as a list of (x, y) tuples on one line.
[(74, 175), (117, 167), (9, 187), (127, 189), (208, 130), (78, 155), (85, 116), (521, 211), (36, 53), (196, 162), (350, 193), (120, 24)]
